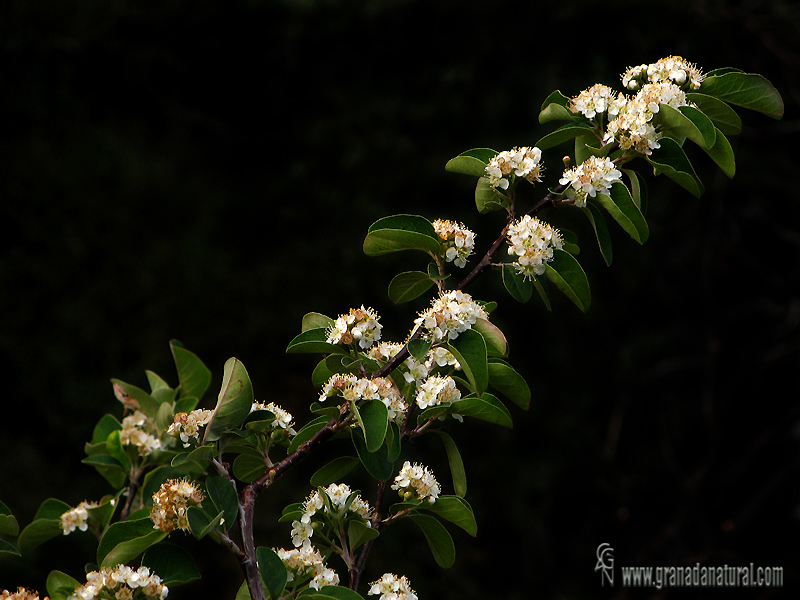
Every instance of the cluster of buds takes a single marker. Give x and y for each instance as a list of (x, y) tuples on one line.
[(304, 562), (416, 481), (392, 587), (136, 431), (171, 505), (359, 325), (594, 175), (450, 314), (457, 241), (187, 425), (77, 518), (672, 69), (525, 162), (121, 582), (339, 495), (533, 242), (283, 418)]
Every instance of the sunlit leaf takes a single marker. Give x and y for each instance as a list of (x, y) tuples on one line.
[(61, 586), (471, 162), (496, 343), (314, 341), (723, 116), (563, 134), (487, 198), (486, 408), (748, 90), (688, 122), (126, 540), (193, 375), (470, 351), (555, 108), (568, 276), (621, 207), (314, 320), (234, 401), (508, 382), (401, 232)]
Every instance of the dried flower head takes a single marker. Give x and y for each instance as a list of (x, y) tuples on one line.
[(171, 504)]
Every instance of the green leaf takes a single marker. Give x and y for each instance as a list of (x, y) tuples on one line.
[(748, 90), (638, 189), (600, 231), (248, 468), (568, 276), (470, 351), (313, 341), (496, 343), (486, 408), (456, 510), (590, 145), (8, 549), (61, 586), (117, 451), (671, 160), (555, 108), (722, 154), (193, 375), (333, 471), (358, 533), (375, 419), (126, 540), (563, 134), (541, 289), (307, 432), (52, 508), (172, 563), (109, 468), (456, 463), (511, 384), (330, 592), (223, 495), (471, 162), (621, 207), (438, 538), (330, 365), (39, 531), (377, 463), (409, 285), (401, 232), (105, 425), (688, 122), (130, 395), (233, 403), (314, 320), (517, 284), (723, 116), (8, 523), (488, 199), (201, 523), (272, 570), (419, 348)]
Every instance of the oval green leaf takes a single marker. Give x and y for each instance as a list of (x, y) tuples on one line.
[(401, 232), (472, 162), (193, 375), (748, 90), (516, 284), (457, 471), (621, 207), (233, 403), (563, 134), (438, 538), (272, 570), (511, 384), (671, 160), (172, 563), (600, 231), (409, 285), (723, 116), (456, 510), (486, 408), (470, 351), (568, 276)]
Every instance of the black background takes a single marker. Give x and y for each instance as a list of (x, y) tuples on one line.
[(206, 171)]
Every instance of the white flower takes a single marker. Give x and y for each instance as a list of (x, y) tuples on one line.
[(120, 582), (304, 561), (187, 425), (359, 325), (672, 69), (591, 101), (450, 314), (437, 390), (301, 533), (457, 241), (76, 518), (283, 418), (533, 243), (392, 587), (593, 175), (134, 433), (523, 162), (416, 481)]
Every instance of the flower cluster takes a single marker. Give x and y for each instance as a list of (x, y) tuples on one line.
[(353, 389), (415, 370), (306, 561), (392, 587), (592, 101), (20, 594), (457, 241), (437, 390), (360, 324), (533, 243), (416, 481), (171, 504), (523, 162), (122, 582), (593, 175), (450, 314), (77, 518), (135, 432), (338, 494), (672, 69), (283, 418), (187, 425)]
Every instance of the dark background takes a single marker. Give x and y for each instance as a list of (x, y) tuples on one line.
[(206, 171)]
